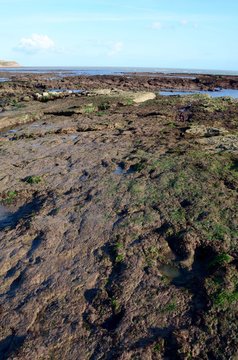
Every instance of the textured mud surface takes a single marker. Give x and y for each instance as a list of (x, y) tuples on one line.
[(118, 226)]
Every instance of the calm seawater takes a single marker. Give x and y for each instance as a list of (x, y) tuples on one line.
[(67, 71)]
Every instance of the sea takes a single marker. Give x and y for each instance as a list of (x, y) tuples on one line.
[(81, 70)]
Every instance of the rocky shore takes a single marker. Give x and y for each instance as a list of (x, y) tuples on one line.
[(118, 218)]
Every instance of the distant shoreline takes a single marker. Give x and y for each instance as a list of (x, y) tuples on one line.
[(9, 64), (89, 70)]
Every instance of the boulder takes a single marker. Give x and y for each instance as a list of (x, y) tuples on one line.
[(26, 98), (103, 92), (143, 96), (136, 97), (38, 96)]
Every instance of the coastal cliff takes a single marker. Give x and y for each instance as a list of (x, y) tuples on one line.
[(5, 63)]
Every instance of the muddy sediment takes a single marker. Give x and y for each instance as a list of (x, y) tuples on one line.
[(118, 219)]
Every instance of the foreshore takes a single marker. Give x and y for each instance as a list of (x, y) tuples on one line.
[(118, 217), (131, 81)]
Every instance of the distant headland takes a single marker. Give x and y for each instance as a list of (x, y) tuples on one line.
[(6, 63)]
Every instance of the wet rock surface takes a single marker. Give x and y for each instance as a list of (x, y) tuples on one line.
[(118, 222)]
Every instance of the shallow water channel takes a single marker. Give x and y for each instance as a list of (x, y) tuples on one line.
[(67, 91), (2, 79), (213, 94)]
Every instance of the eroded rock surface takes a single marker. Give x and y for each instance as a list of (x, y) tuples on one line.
[(118, 227)]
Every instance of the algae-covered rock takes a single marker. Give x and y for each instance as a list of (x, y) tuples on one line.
[(18, 119), (203, 131), (218, 143)]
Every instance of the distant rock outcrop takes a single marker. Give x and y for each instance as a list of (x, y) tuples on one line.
[(5, 63)]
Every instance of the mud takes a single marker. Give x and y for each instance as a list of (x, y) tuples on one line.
[(118, 220)]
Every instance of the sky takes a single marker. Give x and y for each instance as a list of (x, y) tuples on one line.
[(195, 34)]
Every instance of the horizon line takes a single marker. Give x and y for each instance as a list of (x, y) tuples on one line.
[(114, 66)]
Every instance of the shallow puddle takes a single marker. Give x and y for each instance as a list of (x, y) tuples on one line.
[(180, 77), (75, 91), (170, 271), (10, 218), (5, 217), (36, 145), (73, 137), (52, 78), (119, 171), (68, 91), (85, 176)]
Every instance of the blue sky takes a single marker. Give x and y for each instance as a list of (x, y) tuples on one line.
[(153, 33)]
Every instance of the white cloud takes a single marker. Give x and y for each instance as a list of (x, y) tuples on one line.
[(173, 23), (157, 25), (190, 24), (184, 22), (36, 43), (116, 48)]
